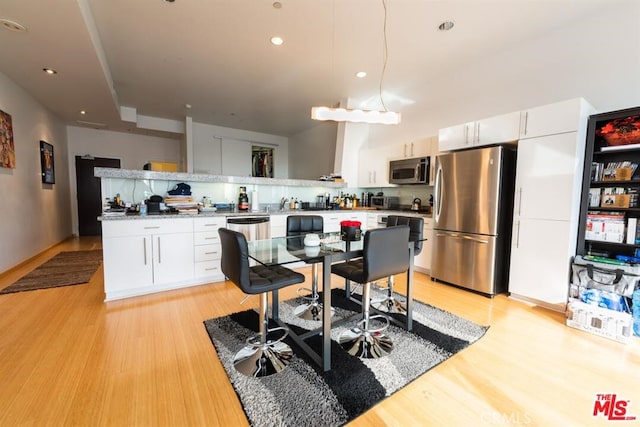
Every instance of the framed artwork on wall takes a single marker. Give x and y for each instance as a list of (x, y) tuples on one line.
[(46, 163), (7, 149)]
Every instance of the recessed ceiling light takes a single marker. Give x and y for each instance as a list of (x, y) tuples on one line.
[(361, 74), (49, 71), (277, 5), (277, 40), (12, 25), (83, 112), (446, 26), (187, 106)]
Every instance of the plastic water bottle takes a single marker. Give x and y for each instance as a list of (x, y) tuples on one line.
[(635, 301)]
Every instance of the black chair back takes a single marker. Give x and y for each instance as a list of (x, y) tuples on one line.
[(416, 229), (304, 224), (235, 259), (385, 252)]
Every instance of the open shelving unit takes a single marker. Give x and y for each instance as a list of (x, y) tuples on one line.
[(624, 182)]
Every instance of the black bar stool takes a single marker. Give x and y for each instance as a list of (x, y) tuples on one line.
[(260, 356)]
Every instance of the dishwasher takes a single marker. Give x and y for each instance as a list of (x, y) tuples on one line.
[(253, 227)]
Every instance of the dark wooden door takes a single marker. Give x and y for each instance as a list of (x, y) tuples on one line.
[(88, 193)]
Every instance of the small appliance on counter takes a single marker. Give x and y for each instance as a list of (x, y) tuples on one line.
[(154, 204), (417, 203), (385, 202)]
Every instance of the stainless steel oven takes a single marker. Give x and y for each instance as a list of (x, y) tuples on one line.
[(409, 171)]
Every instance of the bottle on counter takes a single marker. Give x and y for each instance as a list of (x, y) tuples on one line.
[(243, 200)]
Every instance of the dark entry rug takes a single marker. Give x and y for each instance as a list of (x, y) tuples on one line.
[(304, 395), (64, 269)]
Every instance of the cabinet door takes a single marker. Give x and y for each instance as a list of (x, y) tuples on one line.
[(128, 263), (423, 260), (548, 177), (455, 137), (236, 157), (540, 259), (173, 258), (278, 225), (551, 119), (497, 129), (373, 167), (331, 222)]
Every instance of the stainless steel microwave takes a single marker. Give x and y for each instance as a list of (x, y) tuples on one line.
[(385, 202), (409, 171)]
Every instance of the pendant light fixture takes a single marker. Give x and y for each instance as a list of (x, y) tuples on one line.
[(355, 115)]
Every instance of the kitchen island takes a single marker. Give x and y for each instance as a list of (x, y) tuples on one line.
[(156, 253)]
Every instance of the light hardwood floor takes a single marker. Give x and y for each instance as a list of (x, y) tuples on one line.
[(68, 358)]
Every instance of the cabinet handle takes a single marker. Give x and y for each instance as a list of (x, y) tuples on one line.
[(520, 201), (517, 234), (211, 253), (466, 134), (210, 268), (159, 252), (476, 127), (374, 177), (412, 150), (210, 238), (144, 249), (405, 151), (526, 122), (209, 225), (152, 228)]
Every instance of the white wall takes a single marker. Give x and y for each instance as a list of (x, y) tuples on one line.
[(312, 152), (33, 216), (134, 151)]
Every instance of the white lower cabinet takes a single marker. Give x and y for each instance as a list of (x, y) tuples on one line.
[(541, 252), (278, 225), (207, 249), (145, 256), (422, 262)]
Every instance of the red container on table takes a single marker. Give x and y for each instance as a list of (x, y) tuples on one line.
[(350, 231)]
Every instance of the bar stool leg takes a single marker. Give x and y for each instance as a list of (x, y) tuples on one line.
[(313, 309), (366, 342), (389, 304), (260, 356)]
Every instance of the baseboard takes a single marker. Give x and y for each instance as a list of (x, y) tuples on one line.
[(31, 259), (559, 307)]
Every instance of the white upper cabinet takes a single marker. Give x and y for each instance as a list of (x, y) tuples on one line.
[(493, 130), (407, 150), (373, 167), (561, 117), (456, 137)]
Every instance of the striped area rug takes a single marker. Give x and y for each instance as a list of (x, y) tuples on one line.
[(64, 269), (304, 395)]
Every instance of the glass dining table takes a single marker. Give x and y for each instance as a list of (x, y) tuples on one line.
[(288, 250)]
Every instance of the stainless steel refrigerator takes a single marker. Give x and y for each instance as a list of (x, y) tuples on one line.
[(473, 213)]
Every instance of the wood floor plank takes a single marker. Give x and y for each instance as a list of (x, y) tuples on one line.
[(69, 358)]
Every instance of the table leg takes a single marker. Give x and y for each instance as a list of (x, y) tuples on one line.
[(326, 313), (274, 304), (410, 289)]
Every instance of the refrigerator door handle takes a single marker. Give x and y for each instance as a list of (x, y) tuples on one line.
[(475, 239), (463, 236), (438, 191)]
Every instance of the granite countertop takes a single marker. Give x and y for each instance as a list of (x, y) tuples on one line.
[(284, 212)]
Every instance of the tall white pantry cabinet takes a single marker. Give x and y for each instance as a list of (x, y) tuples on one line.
[(546, 214)]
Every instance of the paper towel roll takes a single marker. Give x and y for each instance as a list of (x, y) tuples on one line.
[(254, 201)]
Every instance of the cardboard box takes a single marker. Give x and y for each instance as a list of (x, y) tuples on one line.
[(607, 323), (617, 174), (161, 166), (615, 200)]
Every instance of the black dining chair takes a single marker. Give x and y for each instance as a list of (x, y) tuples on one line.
[(384, 254), (416, 232), (300, 226), (260, 356)]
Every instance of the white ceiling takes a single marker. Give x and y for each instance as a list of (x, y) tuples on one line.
[(156, 56)]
